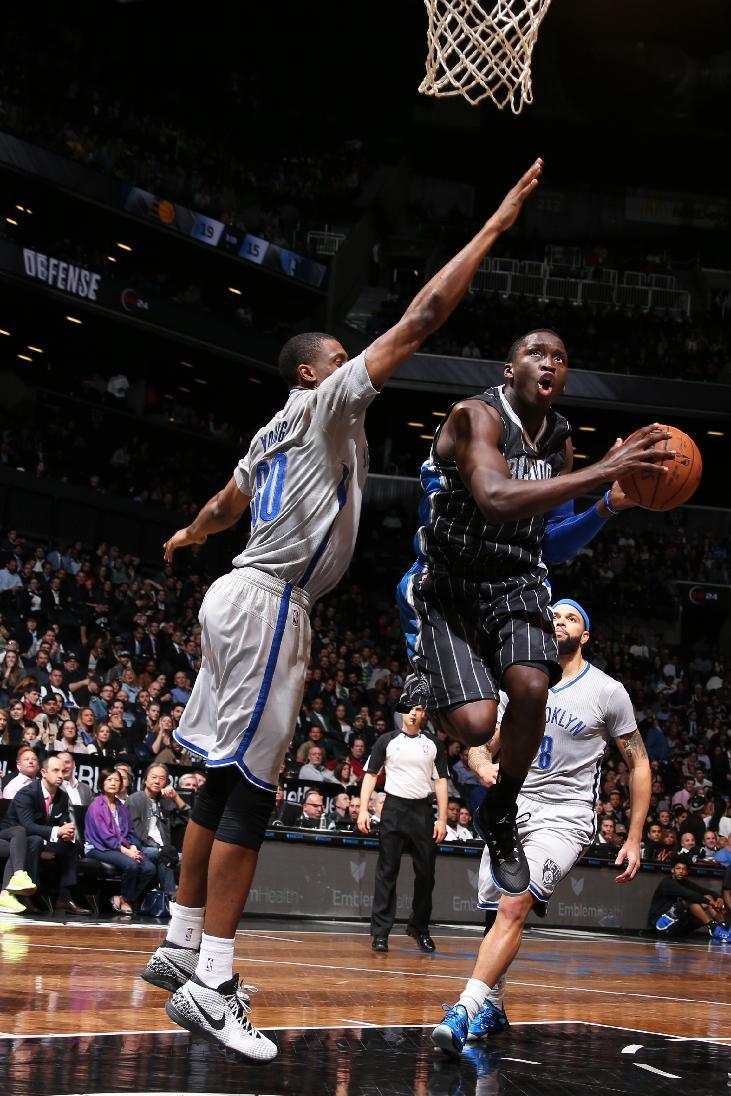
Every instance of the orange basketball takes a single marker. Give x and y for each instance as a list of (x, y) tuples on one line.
[(658, 491)]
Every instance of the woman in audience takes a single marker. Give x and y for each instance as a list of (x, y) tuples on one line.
[(102, 743), (69, 739), (343, 773), (86, 724), (164, 736), (110, 838), (11, 673), (16, 723), (670, 846), (152, 721)]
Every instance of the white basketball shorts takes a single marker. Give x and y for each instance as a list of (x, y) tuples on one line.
[(248, 693), (554, 835)]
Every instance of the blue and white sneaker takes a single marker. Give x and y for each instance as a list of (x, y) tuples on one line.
[(720, 935), (490, 1020), (451, 1035), (664, 922)]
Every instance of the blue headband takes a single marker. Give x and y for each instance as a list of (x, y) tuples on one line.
[(575, 604)]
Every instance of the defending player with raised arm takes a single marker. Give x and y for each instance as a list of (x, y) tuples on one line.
[(303, 478), (556, 816), (475, 605)]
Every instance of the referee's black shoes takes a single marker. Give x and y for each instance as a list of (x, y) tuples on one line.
[(423, 939), (379, 943), (508, 864)]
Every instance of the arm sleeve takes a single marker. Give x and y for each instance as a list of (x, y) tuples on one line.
[(347, 391), (378, 754), (440, 761), (620, 715), (565, 532)]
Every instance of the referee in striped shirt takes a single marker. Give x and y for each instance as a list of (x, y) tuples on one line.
[(413, 760)]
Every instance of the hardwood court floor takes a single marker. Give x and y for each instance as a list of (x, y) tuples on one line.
[(70, 996)]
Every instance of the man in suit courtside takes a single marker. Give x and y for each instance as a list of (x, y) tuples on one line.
[(44, 811)]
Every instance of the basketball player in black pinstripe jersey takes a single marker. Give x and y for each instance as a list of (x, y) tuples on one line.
[(475, 606)]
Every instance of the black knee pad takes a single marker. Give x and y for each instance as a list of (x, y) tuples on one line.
[(246, 814), (236, 810), (210, 801)]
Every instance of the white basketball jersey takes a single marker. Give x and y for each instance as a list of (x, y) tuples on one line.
[(305, 472), (581, 716)]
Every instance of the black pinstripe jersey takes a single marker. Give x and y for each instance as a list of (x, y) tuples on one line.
[(454, 536)]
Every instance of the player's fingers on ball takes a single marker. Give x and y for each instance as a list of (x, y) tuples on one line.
[(658, 454)]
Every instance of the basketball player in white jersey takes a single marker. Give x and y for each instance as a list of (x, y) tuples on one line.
[(556, 816), (302, 478)]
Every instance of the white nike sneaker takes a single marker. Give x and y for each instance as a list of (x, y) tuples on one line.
[(222, 1015)]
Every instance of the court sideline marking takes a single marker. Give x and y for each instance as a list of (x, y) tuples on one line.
[(318, 1027), (543, 933)]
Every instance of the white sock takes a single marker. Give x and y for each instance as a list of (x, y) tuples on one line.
[(186, 926), (473, 997), (215, 962), (495, 994)]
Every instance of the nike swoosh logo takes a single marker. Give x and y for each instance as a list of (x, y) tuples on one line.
[(217, 1025)]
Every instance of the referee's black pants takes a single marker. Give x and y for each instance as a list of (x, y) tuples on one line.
[(407, 825)]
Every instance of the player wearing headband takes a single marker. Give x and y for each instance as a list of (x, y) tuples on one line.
[(556, 816)]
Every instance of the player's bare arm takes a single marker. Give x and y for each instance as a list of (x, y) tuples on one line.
[(473, 440), (219, 513), (433, 304), (633, 751), (366, 791)]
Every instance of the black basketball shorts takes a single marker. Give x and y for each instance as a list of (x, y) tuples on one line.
[(467, 635)]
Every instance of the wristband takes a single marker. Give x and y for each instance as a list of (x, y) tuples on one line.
[(609, 507)]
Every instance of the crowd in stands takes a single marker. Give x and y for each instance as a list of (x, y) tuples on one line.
[(98, 655), (155, 145), (88, 446), (603, 338)]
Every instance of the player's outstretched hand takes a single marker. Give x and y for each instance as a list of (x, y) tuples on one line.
[(181, 539), (630, 852), (507, 212), (627, 457), (364, 822)]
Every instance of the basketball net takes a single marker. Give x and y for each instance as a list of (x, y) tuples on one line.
[(479, 51)]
